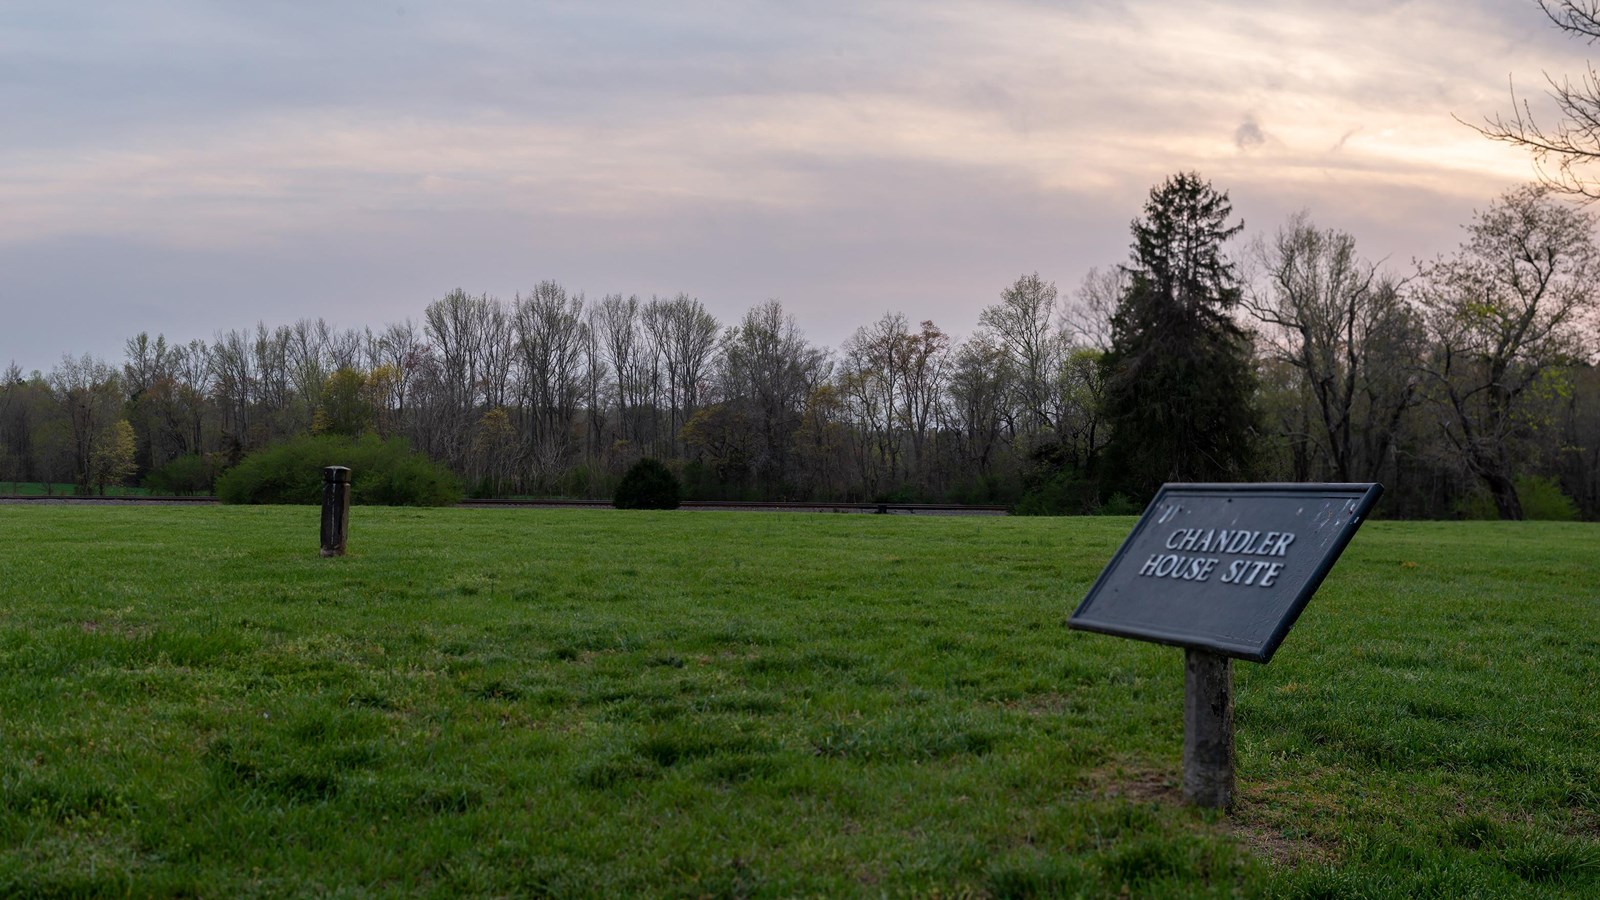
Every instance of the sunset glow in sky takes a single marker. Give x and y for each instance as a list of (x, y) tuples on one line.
[(184, 167)]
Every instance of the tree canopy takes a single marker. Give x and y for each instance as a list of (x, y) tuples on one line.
[(1470, 388), (1513, 304)]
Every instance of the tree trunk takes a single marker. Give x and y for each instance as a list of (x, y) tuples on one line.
[(1505, 496)]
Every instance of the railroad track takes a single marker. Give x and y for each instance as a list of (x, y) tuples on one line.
[(924, 509)]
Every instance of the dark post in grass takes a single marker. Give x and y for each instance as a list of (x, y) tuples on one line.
[(1207, 728), (1223, 571), (335, 509)]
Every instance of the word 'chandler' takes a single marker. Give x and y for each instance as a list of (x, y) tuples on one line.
[(1252, 572)]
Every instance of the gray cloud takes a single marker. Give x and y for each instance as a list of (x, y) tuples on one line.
[(1248, 135), (184, 166)]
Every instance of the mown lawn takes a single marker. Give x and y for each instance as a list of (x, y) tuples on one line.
[(576, 702), (59, 489)]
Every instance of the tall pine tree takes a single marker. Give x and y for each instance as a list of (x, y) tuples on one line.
[(1179, 381)]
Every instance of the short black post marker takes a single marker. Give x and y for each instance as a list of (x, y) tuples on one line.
[(335, 509)]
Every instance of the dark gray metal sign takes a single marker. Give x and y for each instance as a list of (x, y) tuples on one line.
[(1225, 567)]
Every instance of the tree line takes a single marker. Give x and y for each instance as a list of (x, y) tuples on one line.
[(1468, 385)]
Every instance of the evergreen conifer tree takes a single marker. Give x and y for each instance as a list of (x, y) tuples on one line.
[(1179, 380)]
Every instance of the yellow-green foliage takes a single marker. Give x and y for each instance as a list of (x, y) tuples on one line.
[(111, 462), (382, 472), (1542, 501)]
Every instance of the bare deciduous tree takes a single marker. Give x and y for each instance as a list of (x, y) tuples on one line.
[(684, 335), (616, 323), (926, 361), (1506, 309), (550, 339), (90, 394), (1343, 326), (1024, 321), (396, 356), (1086, 318), (233, 377), (468, 335), (871, 380), (769, 369), (981, 383)]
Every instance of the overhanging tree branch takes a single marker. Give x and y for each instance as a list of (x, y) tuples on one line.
[(1562, 153)]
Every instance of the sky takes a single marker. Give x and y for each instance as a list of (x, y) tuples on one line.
[(185, 167)]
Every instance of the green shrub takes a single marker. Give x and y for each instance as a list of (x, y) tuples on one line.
[(1061, 494), (1541, 497), (648, 485), (1053, 485), (905, 493), (986, 489), (1120, 504), (1476, 506), (385, 473), (188, 474), (581, 482)]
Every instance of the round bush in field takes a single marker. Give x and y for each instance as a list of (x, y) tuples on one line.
[(648, 485), (386, 473)]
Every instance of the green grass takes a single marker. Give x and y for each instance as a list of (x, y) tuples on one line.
[(64, 489), (563, 702)]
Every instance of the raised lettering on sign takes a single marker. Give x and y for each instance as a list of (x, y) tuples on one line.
[(1235, 542), (1224, 568)]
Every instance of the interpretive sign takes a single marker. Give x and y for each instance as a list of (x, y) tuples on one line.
[(1225, 567)]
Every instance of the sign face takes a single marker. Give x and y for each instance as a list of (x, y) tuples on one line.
[(1225, 567)]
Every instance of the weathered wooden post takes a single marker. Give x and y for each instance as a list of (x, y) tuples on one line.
[(1207, 729), (335, 509), (1223, 571)]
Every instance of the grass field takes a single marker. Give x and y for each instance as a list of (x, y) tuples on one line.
[(562, 702), (41, 489)]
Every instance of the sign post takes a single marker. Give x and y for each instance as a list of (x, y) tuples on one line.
[(1207, 728), (1222, 570)]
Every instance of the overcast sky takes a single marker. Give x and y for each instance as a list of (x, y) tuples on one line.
[(188, 166)]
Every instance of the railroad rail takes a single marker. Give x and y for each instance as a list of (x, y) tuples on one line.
[(925, 509)]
